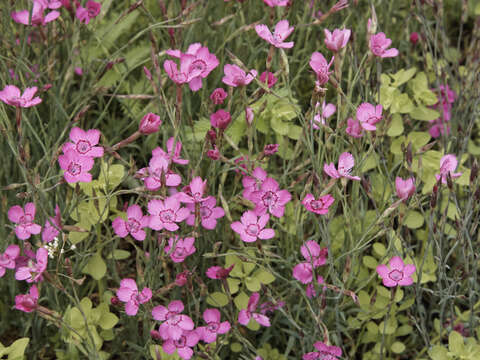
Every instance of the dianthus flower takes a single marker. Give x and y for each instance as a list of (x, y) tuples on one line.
[(39, 7), (24, 218), (7, 259), (321, 68), (209, 332), (134, 224), (218, 96), (87, 13), (252, 184), (174, 322), (183, 345), (171, 155), (179, 248), (208, 212), (246, 314), (83, 142), (369, 115), (52, 224), (338, 40), (379, 45), (165, 214), (354, 128), (277, 39), (128, 293), (235, 76), (11, 95), (320, 117), (397, 273), (76, 166), (27, 302), (270, 198), (404, 188), (448, 164), (34, 270), (345, 165), (318, 206), (251, 227)]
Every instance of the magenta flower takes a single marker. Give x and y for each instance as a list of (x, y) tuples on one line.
[(321, 68), (76, 166), (213, 154), (327, 111), (188, 73), (273, 3), (270, 149), (52, 226), (319, 206), (269, 78), (179, 248), (11, 95), (165, 214), (218, 273), (28, 302), (303, 272), (448, 164), (193, 193), (338, 40), (354, 128), (26, 227), (174, 323), (310, 289), (369, 115), (414, 37), (171, 156), (209, 333), (249, 115), (313, 253), (277, 39), (220, 119), (325, 352), (7, 259), (379, 44), (84, 142), (128, 293), (87, 13), (246, 314), (404, 188), (397, 273), (134, 224), (34, 270), (218, 96), (270, 199), (252, 184), (157, 173), (251, 227), (345, 165), (150, 124), (39, 7), (439, 127), (235, 76), (209, 213), (183, 345)]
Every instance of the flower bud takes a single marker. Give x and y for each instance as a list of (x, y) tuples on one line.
[(213, 154), (220, 119), (150, 124), (147, 72), (249, 115), (414, 38), (270, 149), (218, 96)]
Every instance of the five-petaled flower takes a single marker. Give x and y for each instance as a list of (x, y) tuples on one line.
[(235, 76), (87, 13), (318, 206), (251, 227), (11, 95), (246, 314), (209, 332), (76, 166), (174, 322), (24, 218), (166, 214), (345, 165), (129, 294), (448, 164), (368, 115), (321, 67), (7, 259), (379, 45), (269, 198), (208, 213), (83, 142), (133, 225), (277, 39), (27, 302), (336, 40), (396, 273), (404, 188), (179, 248), (33, 270)]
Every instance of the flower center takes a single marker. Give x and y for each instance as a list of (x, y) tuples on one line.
[(180, 78), (269, 198), (197, 67), (133, 225), (174, 320), (83, 147), (179, 252), (316, 204), (74, 168), (167, 216), (180, 343), (213, 326), (26, 220), (205, 212), (252, 229), (396, 275), (239, 80)]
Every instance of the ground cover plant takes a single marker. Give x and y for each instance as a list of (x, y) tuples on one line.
[(256, 179)]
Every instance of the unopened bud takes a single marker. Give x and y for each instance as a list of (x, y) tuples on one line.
[(150, 124), (474, 172), (212, 135), (114, 300), (147, 72), (249, 115)]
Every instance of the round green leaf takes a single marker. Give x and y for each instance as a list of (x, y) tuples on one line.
[(414, 220), (397, 347), (217, 299)]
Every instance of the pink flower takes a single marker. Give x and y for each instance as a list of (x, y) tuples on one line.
[(183, 345), (188, 73), (273, 3), (218, 96), (338, 40), (325, 352), (369, 115), (34, 270), (157, 173), (251, 227), (209, 333), (448, 164), (321, 68), (76, 166), (174, 323), (26, 227), (84, 142), (150, 124), (134, 224), (7, 259), (249, 115), (52, 226), (28, 302), (268, 77), (270, 149), (303, 272), (397, 273), (165, 214), (128, 293), (171, 156), (439, 127), (310, 289), (378, 46), (319, 206), (282, 31), (209, 213), (404, 188), (327, 111), (270, 199), (85, 14), (218, 273), (414, 37), (235, 76), (179, 248), (313, 253), (39, 7), (345, 165), (354, 128), (246, 314), (193, 192), (11, 95), (252, 184), (213, 154), (220, 119)]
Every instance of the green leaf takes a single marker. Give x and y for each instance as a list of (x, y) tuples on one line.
[(414, 220), (438, 353), (379, 249), (396, 126), (16, 351), (401, 103), (252, 283), (423, 113), (279, 126), (397, 347), (418, 139), (455, 343), (236, 347), (108, 320), (118, 254), (402, 76), (264, 276), (110, 176), (364, 299), (95, 267), (233, 285), (370, 262), (369, 163), (241, 300), (217, 299)]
